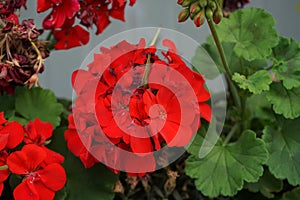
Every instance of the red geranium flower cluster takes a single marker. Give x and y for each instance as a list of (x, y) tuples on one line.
[(40, 168), (9, 7), (62, 18), (114, 102)]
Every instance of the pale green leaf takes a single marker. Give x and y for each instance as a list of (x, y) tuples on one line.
[(283, 144), (224, 170), (252, 32), (256, 83), (285, 102)]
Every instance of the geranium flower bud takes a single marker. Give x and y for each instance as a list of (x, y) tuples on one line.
[(208, 13), (212, 5), (203, 3), (183, 15), (186, 3), (180, 2), (199, 19), (194, 9), (217, 16)]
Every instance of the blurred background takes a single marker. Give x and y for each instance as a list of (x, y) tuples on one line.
[(148, 13)]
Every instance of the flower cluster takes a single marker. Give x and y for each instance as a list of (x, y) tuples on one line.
[(39, 167), (199, 10), (89, 12), (21, 54), (138, 100)]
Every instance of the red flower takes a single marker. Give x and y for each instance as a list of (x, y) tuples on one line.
[(69, 37), (38, 132), (62, 11), (11, 134), (3, 173), (134, 118), (38, 182)]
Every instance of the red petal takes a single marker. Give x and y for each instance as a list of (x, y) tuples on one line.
[(43, 5), (23, 192), (118, 12), (72, 37), (3, 140), (1, 188), (15, 132), (205, 111), (170, 44), (132, 2), (52, 156), (2, 119), (43, 192), (79, 79), (102, 23), (26, 160), (53, 176), (141, 145)]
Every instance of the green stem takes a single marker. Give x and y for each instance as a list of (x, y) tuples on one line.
[(232, 87), (4, 167), (148, 63), (231, 134)]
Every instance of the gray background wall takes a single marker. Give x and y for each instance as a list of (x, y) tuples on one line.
[(148, 13)]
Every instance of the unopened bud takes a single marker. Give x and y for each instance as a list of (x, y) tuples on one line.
[(186, 3), (180, 2), (212, 5), (199, 19), (203, 3), (183, 15), (208, 13), (217, 16), (195, 8)]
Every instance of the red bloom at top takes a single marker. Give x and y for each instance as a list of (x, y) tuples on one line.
[(63, 10), (38, 182)]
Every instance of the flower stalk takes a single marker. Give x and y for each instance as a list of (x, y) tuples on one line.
[(148, 63)]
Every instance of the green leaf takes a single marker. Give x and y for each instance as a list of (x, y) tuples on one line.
[(235, 63), (224, 170), (92, 184), (286, 57), (38, 103), (283, 144), (260, 107), (292, 195), (285, 102), (7, 105), (267, 185), (252, 32), (256, 83)]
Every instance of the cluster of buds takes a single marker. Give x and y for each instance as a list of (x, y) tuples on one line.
[(21, 54), (198, 10)]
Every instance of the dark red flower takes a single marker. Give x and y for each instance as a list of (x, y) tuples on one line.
[(38, 182)]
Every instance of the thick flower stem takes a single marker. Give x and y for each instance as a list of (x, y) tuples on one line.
[(228, 74), (231, 133), (148, 64)]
